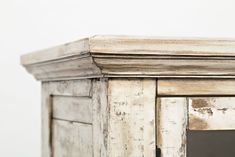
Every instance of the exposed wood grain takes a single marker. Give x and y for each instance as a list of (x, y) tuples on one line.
[(171, 126), (100, 117), (78, 109), (132, 117), (196, 87), (212, 113), (71, 139), (162, 46)]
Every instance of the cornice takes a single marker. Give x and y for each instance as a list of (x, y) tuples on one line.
[(125, 56)]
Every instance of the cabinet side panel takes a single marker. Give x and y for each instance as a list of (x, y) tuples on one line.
[(171, 126), (71, 139), (100, 112), (65, 90), (132, 117), (70, 88), (78, 109)]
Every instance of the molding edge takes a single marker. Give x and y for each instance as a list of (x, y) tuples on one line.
[(104, 56)]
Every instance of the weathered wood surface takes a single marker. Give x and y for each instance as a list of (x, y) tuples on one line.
[(64, 69), (125, 56), (75, 48), (162, 46), (174, 67), (135, 45), (183, 87), (78, 88), (132, 118), (71, 139), (171, 126), (121, 112), (78, 109), (46, 112), (212, 113), (70, 88), (100, 117)]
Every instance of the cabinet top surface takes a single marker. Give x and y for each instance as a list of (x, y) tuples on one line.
[(140, 56)]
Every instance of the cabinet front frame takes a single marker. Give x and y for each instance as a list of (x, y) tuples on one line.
[(184, 104)]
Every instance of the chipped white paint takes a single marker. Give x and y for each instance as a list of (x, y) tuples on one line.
[(71, 101), (171, 126), (212, 113), (132, 118), (100, 116)]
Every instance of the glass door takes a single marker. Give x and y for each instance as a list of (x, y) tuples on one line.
[(196, 126)]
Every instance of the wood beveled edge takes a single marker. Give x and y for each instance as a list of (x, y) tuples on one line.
[(78, 47), (101, 54), (203, 87), (149, 45), (106, 45)]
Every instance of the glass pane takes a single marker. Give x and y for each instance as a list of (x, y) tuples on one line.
[(211, 144)]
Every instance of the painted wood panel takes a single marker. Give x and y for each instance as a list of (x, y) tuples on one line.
[(46, 113), (132, 117), (212, 113), (77, 109), (58, 88), (183, 87), (171, 126), (70, 88), (100, 117), (71, 139)]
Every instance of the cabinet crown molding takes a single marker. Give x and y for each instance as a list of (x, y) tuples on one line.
[(132, 56)]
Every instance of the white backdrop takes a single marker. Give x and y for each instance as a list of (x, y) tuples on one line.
[(29, 25)]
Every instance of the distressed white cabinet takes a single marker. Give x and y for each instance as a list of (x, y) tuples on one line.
[(122, 96)]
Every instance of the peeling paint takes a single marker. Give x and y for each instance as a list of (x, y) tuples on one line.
[(207, 111), (223, 110), (197, 123), (199, 103), (211, 113)]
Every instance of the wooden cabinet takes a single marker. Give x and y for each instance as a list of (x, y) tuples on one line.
[(121, 96)]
